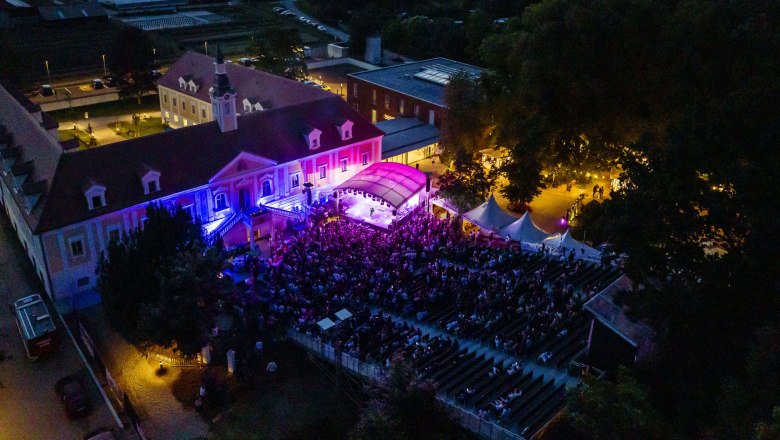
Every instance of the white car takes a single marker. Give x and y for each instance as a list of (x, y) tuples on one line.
[(288, 13), (302, 18), (322, 28), (278, 9)]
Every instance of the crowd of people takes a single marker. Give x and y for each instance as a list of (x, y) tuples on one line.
[(424, 265)]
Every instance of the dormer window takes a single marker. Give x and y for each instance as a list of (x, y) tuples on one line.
[(193, 86), (252, 105), (345, 129), (150, 179), (182, 83), (312, 137), (96, 196)]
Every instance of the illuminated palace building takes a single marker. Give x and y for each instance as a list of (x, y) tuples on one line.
[(246, 171)]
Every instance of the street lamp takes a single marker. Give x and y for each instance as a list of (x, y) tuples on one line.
[(206, 45), (341, 86), (48, 75), (154, 56), (105, 72)]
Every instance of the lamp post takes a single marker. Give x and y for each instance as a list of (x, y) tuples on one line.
[(206, 45), (48, 75), (341, 86), (154, 56), (105, 72)]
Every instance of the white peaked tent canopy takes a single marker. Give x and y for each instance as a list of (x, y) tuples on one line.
[(524, 230), (562, 244), (489, 215)]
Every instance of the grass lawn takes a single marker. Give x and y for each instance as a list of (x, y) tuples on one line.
[(149, 103), (297, 402), (146, 127), (68, 134)]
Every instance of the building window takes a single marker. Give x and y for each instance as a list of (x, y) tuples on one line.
[(355, 90), (76, 247), (153, 186), (417, 110), (344, 164), (401, 107), (373, 97), (113, 234), (267, 188), (220, 202), (295, 180), (165, 98), (189, 209), (323, 171), (203, 113), (82, 282), (315, 142), (183, 105), (193, 110), (97, 202), (144, 221), (373, 116), (365, 158), (174, 102), (387, 101)]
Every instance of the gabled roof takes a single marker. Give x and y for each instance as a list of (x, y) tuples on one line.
[(31, 143), (248, 83), (189, 157)]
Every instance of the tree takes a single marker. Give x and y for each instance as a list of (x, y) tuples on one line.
[(619, 410), (403, 407), (279, 52), (466, 127), (132, 62), (468, 183), (158, 283)]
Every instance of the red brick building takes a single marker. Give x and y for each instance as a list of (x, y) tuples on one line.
[(410, 90)]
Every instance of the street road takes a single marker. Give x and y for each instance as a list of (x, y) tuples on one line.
[(29, 407), (336, 33)]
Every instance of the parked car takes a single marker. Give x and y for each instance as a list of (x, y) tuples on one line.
[(278, 9), (324, 87), (302, 18), (97, 84), (245, 61), (322, 28), (47, 90), (73, 396), (288, 13), (109, 81)]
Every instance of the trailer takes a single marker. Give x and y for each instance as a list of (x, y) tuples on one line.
[(35, 325)]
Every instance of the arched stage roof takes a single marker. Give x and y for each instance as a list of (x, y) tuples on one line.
[(392, 182)]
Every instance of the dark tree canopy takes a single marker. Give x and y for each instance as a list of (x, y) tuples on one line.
[(279, 52), (132, 62), (468, 183), (159, 284)]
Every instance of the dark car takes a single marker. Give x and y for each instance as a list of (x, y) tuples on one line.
[(47, 90), (109, 81), (73, 395)]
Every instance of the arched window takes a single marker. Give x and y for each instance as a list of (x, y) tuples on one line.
[(220, 202), (267, 188)]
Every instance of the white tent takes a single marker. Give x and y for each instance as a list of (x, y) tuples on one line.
[(524, 230), (489, 216), (563, 244)]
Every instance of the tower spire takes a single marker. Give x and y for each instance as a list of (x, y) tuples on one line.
[(223, 97)]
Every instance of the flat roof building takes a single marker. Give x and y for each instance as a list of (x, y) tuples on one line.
[(405, 90)]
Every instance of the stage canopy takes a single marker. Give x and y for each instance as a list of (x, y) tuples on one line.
[(561, 244), (392, 182), (489, 215), (524, 230)]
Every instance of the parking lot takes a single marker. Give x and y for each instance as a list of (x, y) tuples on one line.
[(30, 408)]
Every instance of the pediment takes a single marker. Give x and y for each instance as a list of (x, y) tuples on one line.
[(242, 164)]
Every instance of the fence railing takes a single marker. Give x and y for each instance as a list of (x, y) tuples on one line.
[(464, 417)]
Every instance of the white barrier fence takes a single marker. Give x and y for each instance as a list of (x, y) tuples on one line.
[(464, 417)]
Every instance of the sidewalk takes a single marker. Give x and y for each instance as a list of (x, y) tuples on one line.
[(162, 416)]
